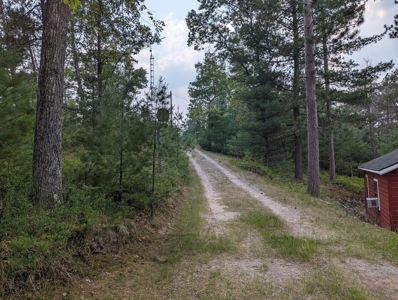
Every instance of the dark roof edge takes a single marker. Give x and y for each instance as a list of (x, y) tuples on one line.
[(381, 172)]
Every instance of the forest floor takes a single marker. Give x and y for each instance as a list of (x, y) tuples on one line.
[(252, 240)]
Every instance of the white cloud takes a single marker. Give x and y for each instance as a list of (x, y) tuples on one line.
[(382, 13), (174, 51), (377, 15), (181, 99), (174, 60)]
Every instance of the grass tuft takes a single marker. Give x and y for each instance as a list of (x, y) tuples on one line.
[(263, 221), (298, 248), (332, 283), (219, 244), (272, 228)]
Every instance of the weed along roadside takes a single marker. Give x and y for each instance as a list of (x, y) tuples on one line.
[(329, 243), (220, 241), (44, 252)]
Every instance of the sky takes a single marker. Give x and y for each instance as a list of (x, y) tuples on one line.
[(175, 61)]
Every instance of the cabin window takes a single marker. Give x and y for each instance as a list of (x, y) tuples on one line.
[(372, 201), (367, 186), (376, 192), (376, 188)]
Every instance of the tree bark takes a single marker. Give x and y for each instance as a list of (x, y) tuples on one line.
[(121, 169), (332, 162), (75, 56), (298, 155), (313, 184), (47, 153), (100, 62)]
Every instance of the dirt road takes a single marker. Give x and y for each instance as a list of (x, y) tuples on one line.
[(235, 255), (381, 278), (296, 220)]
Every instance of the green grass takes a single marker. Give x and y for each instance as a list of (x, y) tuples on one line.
[(353, 184), (352, 236), (219, 244), (265, 222), (298, 248), (189, 224), (190, 250), (273, 230), (38, 246), (248, 164), (331, 283), (34, 242), (189, 221), (188, 238)]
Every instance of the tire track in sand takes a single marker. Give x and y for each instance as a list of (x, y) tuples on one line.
[(298, 224)]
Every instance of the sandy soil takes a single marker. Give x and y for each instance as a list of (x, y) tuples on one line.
[(378, 277), (248, 271), (298, 223)]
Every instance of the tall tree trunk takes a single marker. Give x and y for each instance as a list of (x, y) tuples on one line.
[(33, 60), (121, 169), (100, 63), (3, 19), (389, 121), (371, 132), (298, 151), (313, 184), (75, 56), (47, 153), (158, 134), (332, 162), (100, 66)]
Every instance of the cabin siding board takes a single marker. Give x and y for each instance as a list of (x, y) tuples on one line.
[(382, 217)]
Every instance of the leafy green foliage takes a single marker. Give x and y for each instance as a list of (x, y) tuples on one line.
[(354, 184), (107, 137), (248, 163), (17, 121), (264, 111), (210, 94), (73, 4), (35, 241)]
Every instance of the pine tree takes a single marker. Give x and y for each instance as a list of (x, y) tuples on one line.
[(313, 184), (334, 42), (209, 97), (104, 34), (47, 153), (252, 50), (16, 118)]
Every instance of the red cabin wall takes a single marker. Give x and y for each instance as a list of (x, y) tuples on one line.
[(393, 198), (382, 217)]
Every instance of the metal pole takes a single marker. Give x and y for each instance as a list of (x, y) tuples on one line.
[(171, 109)]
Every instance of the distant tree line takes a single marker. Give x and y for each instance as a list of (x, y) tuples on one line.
[(71, 64), (252, 94)]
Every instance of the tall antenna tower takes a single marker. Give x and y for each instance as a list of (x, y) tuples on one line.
[(152, 73), (154, 153)]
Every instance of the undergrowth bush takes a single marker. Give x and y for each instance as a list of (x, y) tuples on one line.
[(354, 184), (35, 244), (350, 183), (282, 173), (248, 163)]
